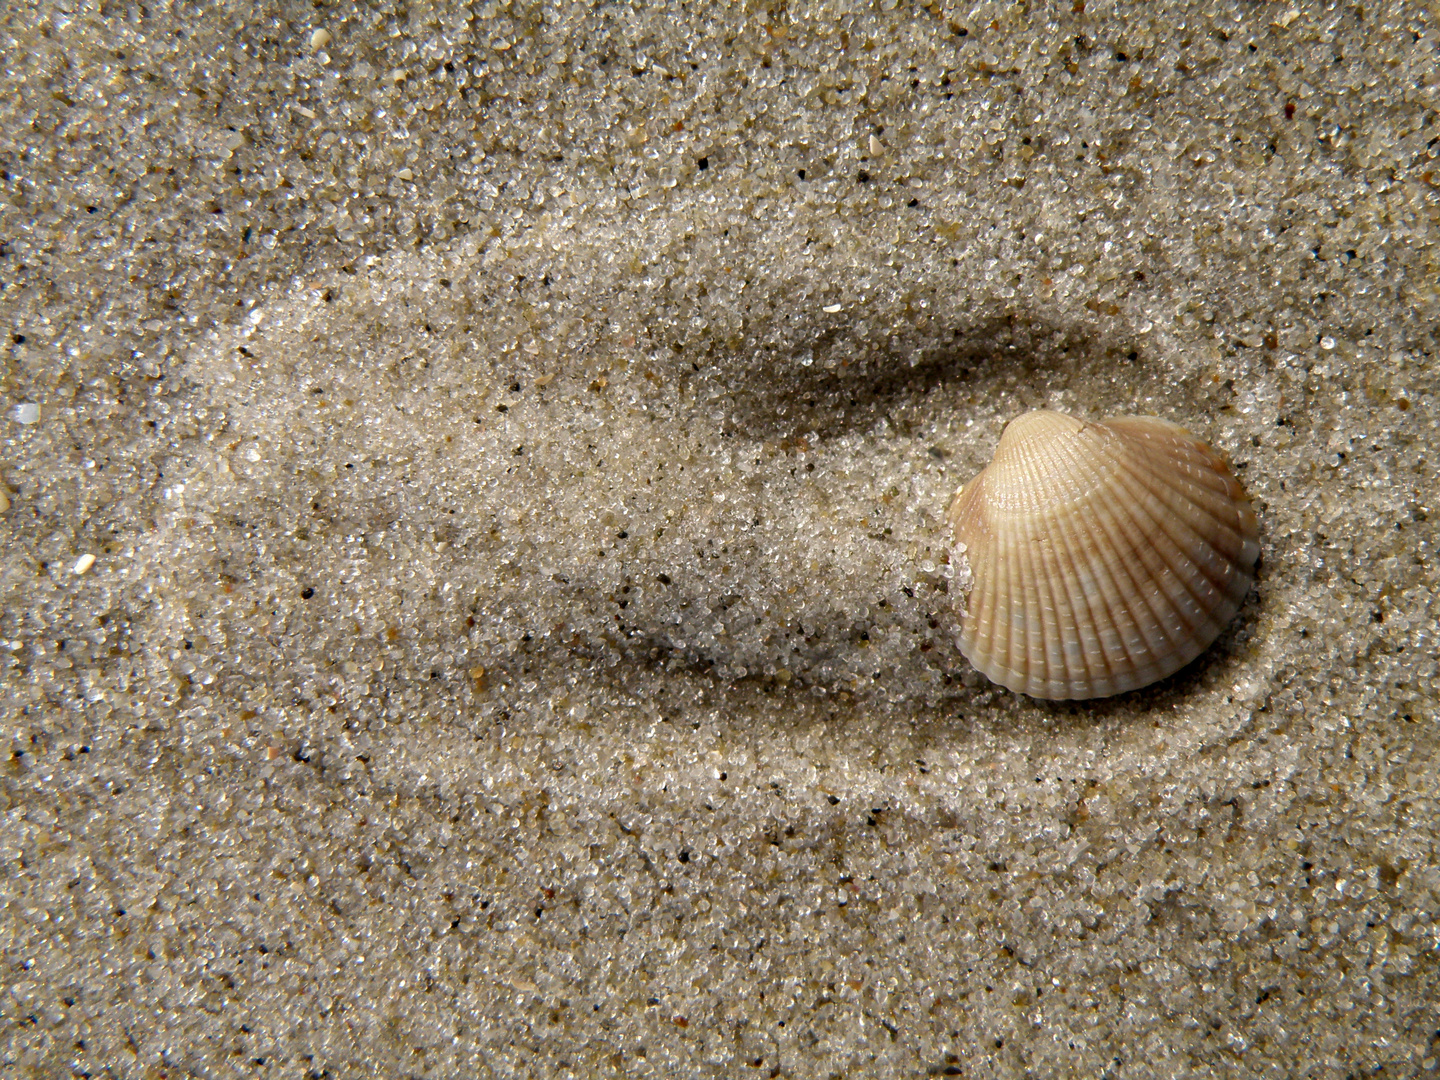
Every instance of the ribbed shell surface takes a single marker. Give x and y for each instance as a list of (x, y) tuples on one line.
[(1102, 556)]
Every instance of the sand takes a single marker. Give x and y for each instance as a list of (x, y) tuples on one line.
[(476, 593)]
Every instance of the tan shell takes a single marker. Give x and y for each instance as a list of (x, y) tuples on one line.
[(1095, 558)]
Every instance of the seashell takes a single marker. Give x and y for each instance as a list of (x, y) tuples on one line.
[(1095, 558)]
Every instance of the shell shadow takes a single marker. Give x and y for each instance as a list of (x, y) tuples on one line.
[(1013, 355)]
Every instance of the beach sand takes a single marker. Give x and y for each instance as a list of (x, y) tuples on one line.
[(513, 446)]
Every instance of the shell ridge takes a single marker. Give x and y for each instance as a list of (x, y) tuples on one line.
[(994, 627), (1021, 659), (1092, 644), (981, 602), (1188, 476), (1139, 644), (1104, 601), (1074, 451), (999, 628), (1163, 516), (1049, 642), (1119, 556), (1056, 644), (1130, 556), (1221, 508), (1017, 634), (1198, 461), (1078, 626), (1111, 555), (1187, 545), (1219, 583), (1032, 632), (1173, 439), (989, 575), (987, 583), (1055, 612), (1166, 516), (996, 575), (963, 508), (1025, 460), (1175, 572), (1168, 646)]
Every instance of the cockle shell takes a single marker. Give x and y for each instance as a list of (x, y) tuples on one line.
[(1098, 557)]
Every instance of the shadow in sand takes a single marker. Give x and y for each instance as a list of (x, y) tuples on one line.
[(1012, 352)]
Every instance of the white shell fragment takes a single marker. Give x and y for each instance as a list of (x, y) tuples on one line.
[(1101, 556)]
